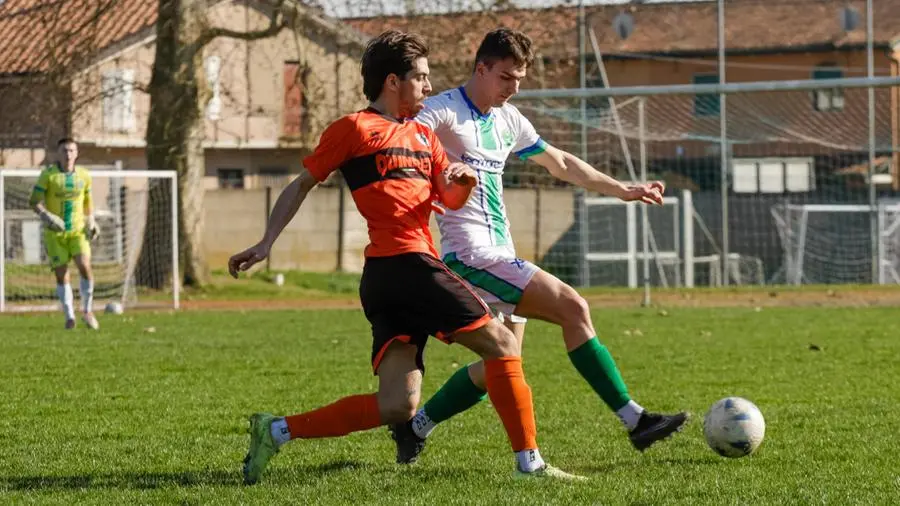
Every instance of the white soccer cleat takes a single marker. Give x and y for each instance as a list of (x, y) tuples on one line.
[(91, 321), (549, 472)]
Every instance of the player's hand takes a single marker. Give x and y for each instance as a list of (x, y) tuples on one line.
[(53, 222), (91, 229), (248, 258), (650, 193), (461, 174)]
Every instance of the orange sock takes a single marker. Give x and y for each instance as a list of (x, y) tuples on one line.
[(350, 414), (511, 397)]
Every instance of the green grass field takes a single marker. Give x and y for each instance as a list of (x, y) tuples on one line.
[(132, 416)]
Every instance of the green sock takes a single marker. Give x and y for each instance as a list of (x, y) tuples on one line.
[(594, 362), (455, 396)]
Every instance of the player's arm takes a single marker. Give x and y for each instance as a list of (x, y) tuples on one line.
[(336, 146), (285, 209), (571, 169), (38, 194), (90, 223), (454, 185)]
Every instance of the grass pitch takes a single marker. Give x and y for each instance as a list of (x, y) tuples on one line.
[(152, 410)]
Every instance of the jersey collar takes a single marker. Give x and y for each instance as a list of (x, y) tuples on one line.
[(388, 117), (478, 113), (58, 166)]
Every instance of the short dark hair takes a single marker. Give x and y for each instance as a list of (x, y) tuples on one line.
[(504, 43), (65, 140), (392, 52)]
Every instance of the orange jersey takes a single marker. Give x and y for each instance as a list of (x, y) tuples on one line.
[(389, 166)]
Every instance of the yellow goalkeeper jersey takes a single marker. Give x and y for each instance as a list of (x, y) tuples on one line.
[(64, 194)]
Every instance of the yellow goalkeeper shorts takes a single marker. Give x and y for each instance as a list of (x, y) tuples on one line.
[(63, 246)]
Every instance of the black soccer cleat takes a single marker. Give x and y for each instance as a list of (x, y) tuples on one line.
[(409, 445), (653, 427)]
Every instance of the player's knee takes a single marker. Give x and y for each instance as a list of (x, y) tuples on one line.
[(577, 311), (397, 410), (502, 342), (62, 276)]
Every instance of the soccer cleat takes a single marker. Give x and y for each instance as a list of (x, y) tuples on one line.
[(409, 445), (262, 447), (653, 427), (70, 324), (91, 321), (548, 471)]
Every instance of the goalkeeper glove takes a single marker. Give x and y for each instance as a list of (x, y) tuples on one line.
[(91, 228), (52, 221)]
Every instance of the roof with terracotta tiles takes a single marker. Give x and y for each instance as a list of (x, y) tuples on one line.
[(659, 28), (39, 35), (36, 35)]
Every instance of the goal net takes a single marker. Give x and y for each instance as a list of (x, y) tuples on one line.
[(782, 147), (134, 260), (833, 243)]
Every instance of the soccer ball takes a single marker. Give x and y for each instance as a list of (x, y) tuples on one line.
[(734, 427), (114, 308)]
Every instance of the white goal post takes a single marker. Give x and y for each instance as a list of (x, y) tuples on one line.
[(135, 259), (610, 221), (832, 243)]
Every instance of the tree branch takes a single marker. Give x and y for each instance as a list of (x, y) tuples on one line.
[(279, 21)]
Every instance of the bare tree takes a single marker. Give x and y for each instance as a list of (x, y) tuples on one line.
[(178, 93)]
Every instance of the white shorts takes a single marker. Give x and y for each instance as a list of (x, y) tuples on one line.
[(497, 276)]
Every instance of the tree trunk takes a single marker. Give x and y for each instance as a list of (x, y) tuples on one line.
[(175, 141)]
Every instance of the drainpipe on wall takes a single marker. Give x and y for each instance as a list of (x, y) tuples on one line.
[(342, 205), (895, 116)]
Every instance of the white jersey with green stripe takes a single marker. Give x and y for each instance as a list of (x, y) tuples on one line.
[(484, 142)]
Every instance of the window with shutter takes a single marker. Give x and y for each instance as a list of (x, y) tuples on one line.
[(292, 122), (117, 88), (828, 99)]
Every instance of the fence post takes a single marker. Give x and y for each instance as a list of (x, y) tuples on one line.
[(341, 224), (723, 140), (266, 221), (873, 196)]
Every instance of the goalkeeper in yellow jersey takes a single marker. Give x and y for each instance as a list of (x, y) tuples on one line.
[(62, 198)]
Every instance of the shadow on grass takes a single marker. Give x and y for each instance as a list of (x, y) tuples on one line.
[(183, 479), (607, 467)]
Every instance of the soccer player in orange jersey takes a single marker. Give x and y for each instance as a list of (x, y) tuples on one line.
[(395, 168)]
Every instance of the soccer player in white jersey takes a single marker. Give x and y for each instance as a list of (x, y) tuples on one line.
[(477, 126)]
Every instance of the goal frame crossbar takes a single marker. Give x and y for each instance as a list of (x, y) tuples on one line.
[(170, 175)]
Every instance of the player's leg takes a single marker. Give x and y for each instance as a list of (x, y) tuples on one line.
[(465, 388), (81, 254), (510, 395), (453, 312), (58, 254), (548, 298), (399, 384), (500, 281), (396, 359), (516, 325)]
